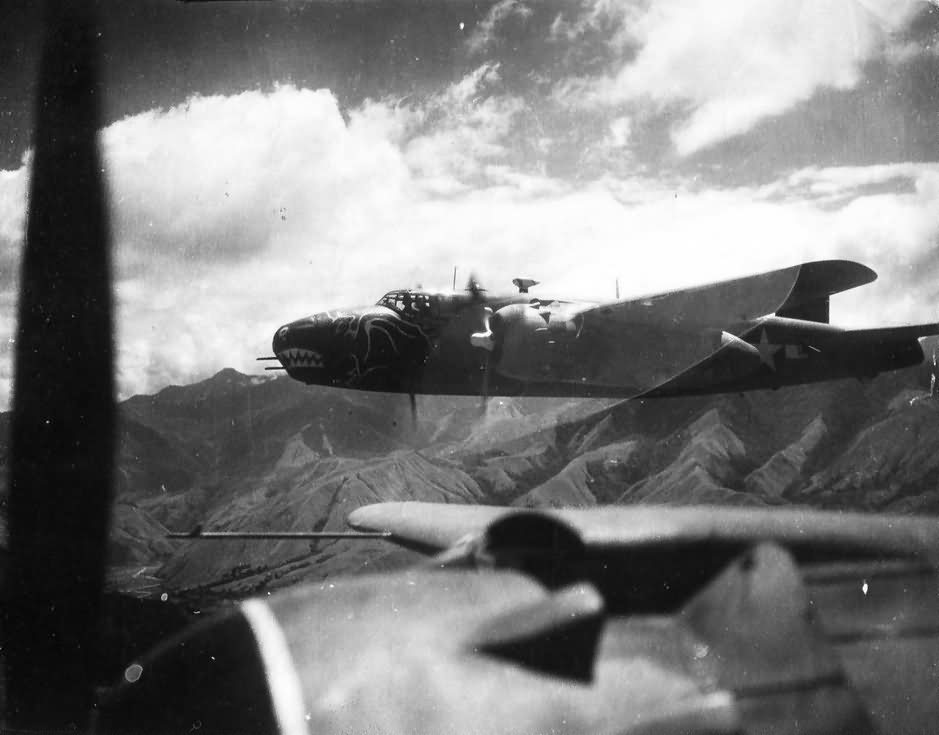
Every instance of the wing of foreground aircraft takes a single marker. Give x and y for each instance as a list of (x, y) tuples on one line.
[(436, 527), (608, 620)]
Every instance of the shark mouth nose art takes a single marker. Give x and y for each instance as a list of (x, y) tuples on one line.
[(299, 357)]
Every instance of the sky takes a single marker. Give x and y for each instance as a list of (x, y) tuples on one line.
[(269, 160)]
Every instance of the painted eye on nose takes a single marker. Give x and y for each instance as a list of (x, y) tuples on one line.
[(282, 332)]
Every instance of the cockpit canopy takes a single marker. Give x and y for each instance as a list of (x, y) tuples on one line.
[(409, 303)]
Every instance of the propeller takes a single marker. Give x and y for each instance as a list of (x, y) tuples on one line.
[(412, 400), (483, 337), (475, 289), (63, 424), (477, 296), (484, 390)]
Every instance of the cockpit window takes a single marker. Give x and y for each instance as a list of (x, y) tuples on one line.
[(408, 303)]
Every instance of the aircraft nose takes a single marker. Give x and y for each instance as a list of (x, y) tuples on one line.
[(281, 339), (302, 344)]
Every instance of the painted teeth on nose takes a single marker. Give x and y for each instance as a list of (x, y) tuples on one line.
[(299, 357)]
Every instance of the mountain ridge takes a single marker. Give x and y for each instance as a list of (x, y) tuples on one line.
[(240, 452)]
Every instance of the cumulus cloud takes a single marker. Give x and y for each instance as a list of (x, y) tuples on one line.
[(12, 206), (723, 67), (619, 131), (455, 134), (267, 165), (494, 24), (13, 187), (841, 181), (593, 20)]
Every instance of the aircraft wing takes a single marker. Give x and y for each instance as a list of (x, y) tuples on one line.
[(429, 526), (648, 341), (722, 304), (633, 620), (437, 527)]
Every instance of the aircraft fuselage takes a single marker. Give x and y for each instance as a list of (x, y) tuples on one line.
[(415, 342)]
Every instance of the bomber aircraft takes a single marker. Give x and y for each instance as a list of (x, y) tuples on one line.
[(761, 331)]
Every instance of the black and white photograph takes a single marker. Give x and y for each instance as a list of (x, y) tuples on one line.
[(469, 367)]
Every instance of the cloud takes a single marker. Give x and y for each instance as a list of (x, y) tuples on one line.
[(593, 20), (264, 166), (619, 132), (845, 180), (493, 26), (721, 68), (455, 134), (13, 186), (12, 205)]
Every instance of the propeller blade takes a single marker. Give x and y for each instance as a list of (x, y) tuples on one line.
[(484, 340), (484, 390), (475, 288), (63, 423)]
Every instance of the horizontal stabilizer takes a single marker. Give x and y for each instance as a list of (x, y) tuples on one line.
[(782, 331), (893, 334)]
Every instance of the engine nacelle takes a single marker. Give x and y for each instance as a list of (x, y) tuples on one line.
[(519, 330)]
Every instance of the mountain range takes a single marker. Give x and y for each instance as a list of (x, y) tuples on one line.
[(240, 452)]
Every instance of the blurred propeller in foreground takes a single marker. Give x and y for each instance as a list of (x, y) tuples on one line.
[(62, 434)]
